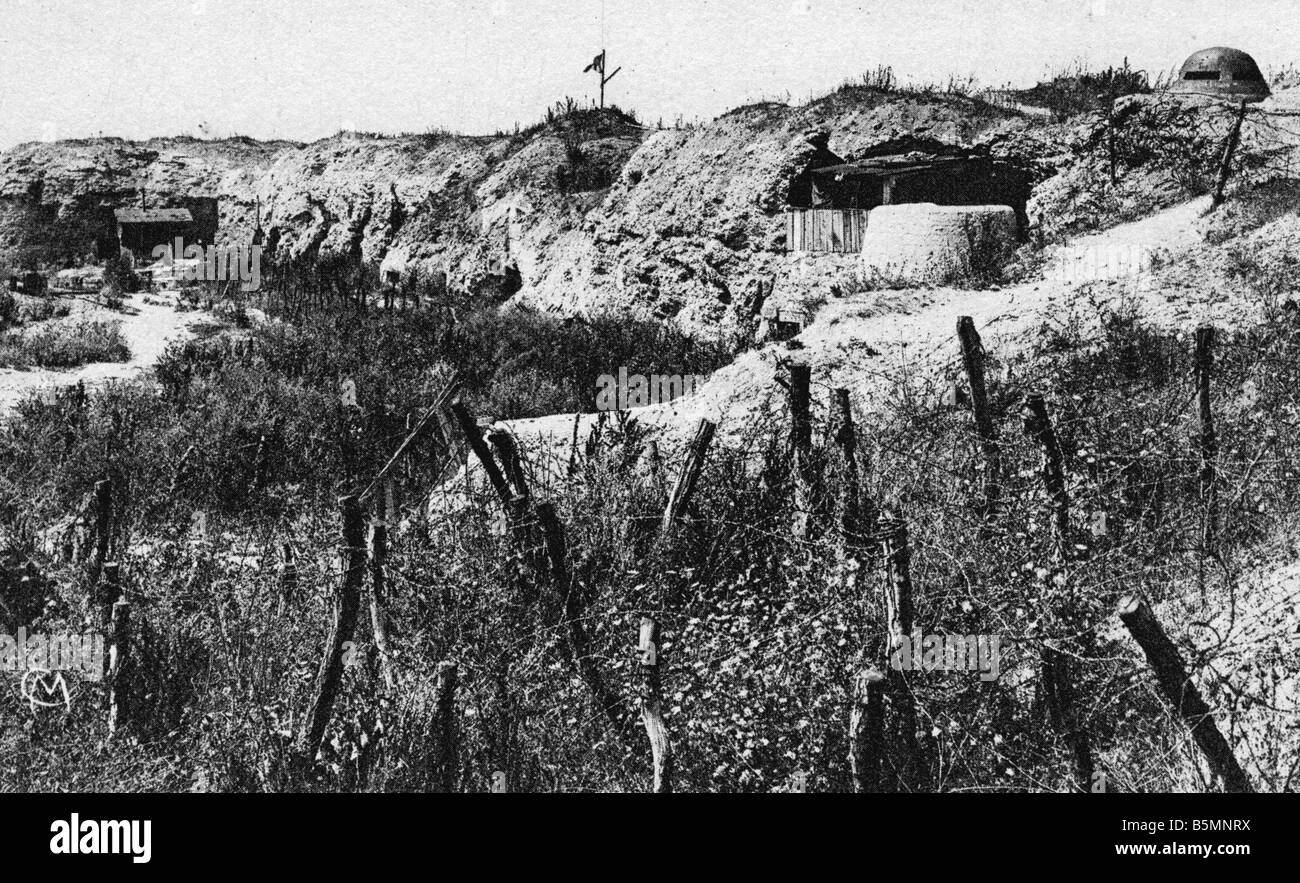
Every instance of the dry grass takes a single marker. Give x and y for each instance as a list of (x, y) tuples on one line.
[(64, 344)]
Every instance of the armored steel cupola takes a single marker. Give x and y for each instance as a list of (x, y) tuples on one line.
[(1221, 72)]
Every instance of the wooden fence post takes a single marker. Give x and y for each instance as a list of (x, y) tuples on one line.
[(1039, 425), (378, 586), (856, 511), (108, 592), (474, 437), (1059, 671), (1225, 165), (688, 477), (899, 610), (1208, 443), (508, 454), (349, 429), (347, 604), (574, 612), (972, 352), (899, 619), (446, 767), (867, 730), (801, 446), (1181, 693), (1059, 675), (661, 749), (119, 655)]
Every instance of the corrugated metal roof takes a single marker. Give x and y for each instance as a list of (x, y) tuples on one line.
[(153, 216), (881, 166)]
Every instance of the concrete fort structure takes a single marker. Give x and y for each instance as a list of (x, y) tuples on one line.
[(1220, 72), (927, 243)]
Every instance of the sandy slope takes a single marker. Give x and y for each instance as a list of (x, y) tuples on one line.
[(866, 342)]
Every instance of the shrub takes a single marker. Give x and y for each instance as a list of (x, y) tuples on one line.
[(42, 310), (9, 314), (65, 345), (119, 277)]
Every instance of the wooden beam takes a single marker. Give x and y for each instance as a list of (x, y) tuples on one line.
[(1181, 693)]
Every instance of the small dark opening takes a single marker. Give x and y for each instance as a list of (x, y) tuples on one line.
[(1248, 77), (1201, 75)]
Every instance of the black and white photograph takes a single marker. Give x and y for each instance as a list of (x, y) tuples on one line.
[(888, 400)]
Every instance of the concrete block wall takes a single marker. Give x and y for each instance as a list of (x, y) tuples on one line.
[(924, 242)]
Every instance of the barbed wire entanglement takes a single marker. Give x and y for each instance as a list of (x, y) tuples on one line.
[(780, 562), (766, 627)]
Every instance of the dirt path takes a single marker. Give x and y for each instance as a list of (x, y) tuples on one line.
[(148, 331)]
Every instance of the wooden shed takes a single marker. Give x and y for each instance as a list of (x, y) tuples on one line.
[(825, 229), (830, 202)]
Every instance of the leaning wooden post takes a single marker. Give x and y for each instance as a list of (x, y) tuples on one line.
[(1225, 165), (347, 604), (651, 694), (1039, 425), (972, 352), (856, 513), (378, 586), (689, 476), (1059, 669), (581, 654), (800, 405), (474, 437), (349, 429), (119, 655), (899, 609), (1181, 692), (867, 730), (1059, 676), (899, 619), (508, 454), (801, 445), (445, 766), (1208, 442)]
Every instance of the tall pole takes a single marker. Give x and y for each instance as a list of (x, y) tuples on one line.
[(599, 65)]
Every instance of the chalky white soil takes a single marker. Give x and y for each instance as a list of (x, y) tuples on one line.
[(147, 327)]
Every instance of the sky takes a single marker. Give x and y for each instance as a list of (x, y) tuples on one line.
[(303, 69)]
